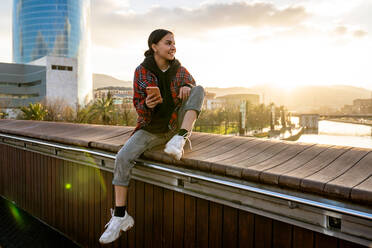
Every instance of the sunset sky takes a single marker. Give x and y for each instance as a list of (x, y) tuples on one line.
[(234, 43)]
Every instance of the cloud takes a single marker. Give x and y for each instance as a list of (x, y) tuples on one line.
[(351, 31), (359, 33), (340, 30), (6, 31), (128, 24), (109, 6)]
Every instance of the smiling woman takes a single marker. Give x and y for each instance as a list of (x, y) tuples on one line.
[(165, 118)]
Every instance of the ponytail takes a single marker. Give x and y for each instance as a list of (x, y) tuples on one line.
[(149, 52)]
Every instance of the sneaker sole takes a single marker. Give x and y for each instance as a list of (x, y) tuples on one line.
[(124, 229), (129, 226), (170, 153)]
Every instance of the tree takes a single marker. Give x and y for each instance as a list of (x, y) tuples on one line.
[(3, 114), (102, 110), (34, 112), (58, 110), (126, 114)]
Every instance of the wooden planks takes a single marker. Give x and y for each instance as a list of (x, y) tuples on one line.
[(316, 182), (272, 175), (357, 174), (331, 171), (253, 170), (362, 192)]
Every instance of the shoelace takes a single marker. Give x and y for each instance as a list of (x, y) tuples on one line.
[(187, 138), (112, 215)]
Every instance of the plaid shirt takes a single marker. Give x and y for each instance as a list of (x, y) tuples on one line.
[(144, 78)]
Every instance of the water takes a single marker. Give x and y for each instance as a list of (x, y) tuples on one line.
[(343, 134)]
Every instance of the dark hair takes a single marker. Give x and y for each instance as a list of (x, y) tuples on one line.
[(154, 38)]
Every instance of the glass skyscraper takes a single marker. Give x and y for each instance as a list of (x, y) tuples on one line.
[(59, 28), (47, 27)]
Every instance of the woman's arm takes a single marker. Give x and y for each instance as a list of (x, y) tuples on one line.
[(139, 94), (188, 82)]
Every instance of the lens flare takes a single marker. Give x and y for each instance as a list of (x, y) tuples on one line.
[(68, 186), (16, 214)]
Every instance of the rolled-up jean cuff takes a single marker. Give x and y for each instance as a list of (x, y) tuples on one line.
[(117, 183)]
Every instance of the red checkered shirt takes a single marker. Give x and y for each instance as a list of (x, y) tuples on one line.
[(144, 78)]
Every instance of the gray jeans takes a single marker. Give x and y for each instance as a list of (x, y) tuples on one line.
[(143, 140)]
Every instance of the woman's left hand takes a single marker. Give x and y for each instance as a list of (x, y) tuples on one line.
[(184, 92)]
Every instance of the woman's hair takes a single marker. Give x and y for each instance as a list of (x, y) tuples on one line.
[(154, 38)]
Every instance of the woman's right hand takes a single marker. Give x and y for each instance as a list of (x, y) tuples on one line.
[(152, 100)]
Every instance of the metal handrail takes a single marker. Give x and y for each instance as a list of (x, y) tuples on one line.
[(300, 200)]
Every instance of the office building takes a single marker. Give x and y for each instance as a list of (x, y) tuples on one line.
[(54, 34)]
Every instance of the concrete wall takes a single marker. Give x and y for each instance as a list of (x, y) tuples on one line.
[(61, 84)]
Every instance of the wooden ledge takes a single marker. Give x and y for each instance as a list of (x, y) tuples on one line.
[(332, 171)]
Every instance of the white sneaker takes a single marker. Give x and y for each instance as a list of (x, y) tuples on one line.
[(175, 145), (114, 226)]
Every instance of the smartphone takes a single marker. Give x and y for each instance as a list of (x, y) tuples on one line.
[(154, 90)]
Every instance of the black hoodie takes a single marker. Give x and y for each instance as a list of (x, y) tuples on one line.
[(163, 111)]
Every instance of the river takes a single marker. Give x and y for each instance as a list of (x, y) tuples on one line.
[(338, 133)]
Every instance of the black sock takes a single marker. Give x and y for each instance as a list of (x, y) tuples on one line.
[(182, 132), (120, 211)]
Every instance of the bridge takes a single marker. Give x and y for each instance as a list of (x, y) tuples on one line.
[(226, 192), (364, 116)]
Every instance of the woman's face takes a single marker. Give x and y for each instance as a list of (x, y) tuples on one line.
[(166, 47)]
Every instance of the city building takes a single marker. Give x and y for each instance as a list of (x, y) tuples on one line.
[(61, 78), (231, 100), (362, 106), (208, 100), (53, 36), (120, 95), (359, 106), (309, 121), (20, 84)]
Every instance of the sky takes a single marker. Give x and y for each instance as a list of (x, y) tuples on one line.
[(225, 43)]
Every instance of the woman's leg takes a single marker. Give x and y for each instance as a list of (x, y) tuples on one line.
[(133, 148), (187, 116), (191, 108), (124, 162), (120, 195), (189, 120)]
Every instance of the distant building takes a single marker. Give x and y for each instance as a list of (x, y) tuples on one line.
[(236, 99), (309, 121), (208, 99), (212, 104), (21, 84), (233, 100), (347, 109), (362, 106), (49, 78), (120, 95)]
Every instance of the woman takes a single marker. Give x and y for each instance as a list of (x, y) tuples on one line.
[(162, 119)]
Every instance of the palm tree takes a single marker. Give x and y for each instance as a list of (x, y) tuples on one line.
[(83, 113), (34, 112), (102, 110), (3, 115)]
